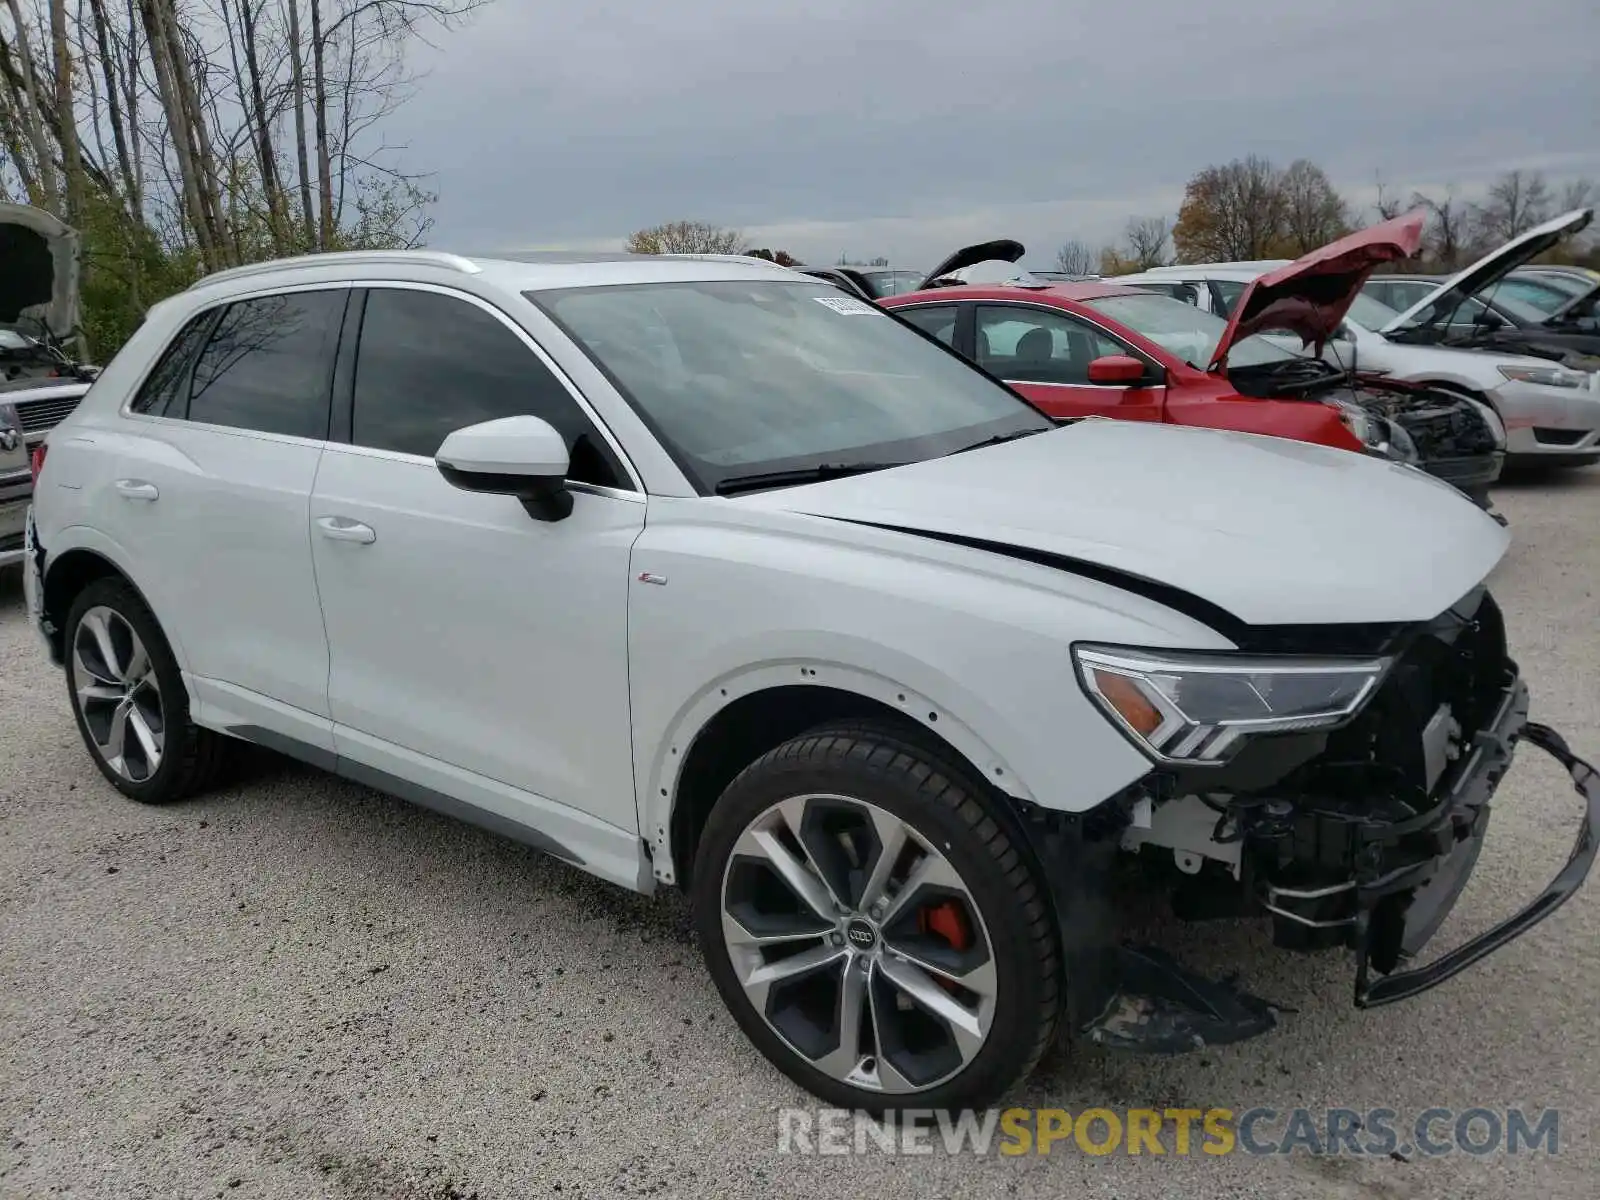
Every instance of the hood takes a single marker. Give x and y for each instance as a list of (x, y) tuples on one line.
[(846, 278), (1273, 531), (40, 280), (1003, 250), (1495, 266), (1310, 296)]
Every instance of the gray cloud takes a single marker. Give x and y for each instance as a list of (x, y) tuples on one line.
[(905, 126)]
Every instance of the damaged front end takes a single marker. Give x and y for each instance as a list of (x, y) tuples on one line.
[(1453, 437), (1359, 829)]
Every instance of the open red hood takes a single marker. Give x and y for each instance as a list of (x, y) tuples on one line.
[(1310, 296)]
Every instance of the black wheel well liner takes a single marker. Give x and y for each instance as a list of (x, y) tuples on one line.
[(66, 575), (747, 728)]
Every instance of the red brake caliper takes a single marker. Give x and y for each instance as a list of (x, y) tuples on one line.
[(947, 920)]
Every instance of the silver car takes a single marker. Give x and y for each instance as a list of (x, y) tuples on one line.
[(39, 384)]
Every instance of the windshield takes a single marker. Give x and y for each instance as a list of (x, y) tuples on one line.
[(1369, 313), (1186, 332), (754, 376), (892, 283), (1528, 299)]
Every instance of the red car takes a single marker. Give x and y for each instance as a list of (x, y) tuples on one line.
[(1096, 349)]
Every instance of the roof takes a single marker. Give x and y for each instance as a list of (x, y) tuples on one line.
[(522, 270), (1244, 271), (1091, 290)]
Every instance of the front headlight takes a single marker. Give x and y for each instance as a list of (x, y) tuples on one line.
[(1197, 709), (1378, 434), (1546, 376)]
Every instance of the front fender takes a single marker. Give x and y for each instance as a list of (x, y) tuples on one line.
[(974, 646), (934, 701)]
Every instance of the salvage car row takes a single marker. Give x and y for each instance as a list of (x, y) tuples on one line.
[(1447, 384), (697, 572)]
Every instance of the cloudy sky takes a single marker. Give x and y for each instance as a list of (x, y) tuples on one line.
[(907, 127)]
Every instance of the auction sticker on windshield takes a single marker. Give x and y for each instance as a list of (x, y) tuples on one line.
[(848, 305)]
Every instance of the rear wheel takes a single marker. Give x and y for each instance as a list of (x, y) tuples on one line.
[(871, 926), (129, 699)]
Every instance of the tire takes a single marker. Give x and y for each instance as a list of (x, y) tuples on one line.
[(112, 685), (829, 800)]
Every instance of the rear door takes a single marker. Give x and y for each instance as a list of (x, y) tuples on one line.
[(1045, 353), (213, 478)]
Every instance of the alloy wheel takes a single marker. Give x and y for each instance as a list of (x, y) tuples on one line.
[(859, 943), (115, 689)]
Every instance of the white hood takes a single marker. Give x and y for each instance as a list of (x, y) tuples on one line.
[(1497, 264), (1274, 531), (40, 277)]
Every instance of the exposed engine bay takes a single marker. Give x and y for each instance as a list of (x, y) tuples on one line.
[(1364, 836), (1443, 432), (1361, 836)]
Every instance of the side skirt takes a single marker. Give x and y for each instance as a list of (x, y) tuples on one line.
[(609, 853)]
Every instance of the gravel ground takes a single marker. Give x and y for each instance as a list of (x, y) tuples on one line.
[(299, 988)]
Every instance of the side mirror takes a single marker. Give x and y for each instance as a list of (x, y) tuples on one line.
[(514, 456), (1117, 368)]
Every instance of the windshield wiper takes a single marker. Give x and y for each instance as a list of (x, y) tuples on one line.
[(797, 475), (997, 439)]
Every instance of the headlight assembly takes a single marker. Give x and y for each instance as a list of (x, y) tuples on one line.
[(1546, 376), (1377, 433), (1197, 709)]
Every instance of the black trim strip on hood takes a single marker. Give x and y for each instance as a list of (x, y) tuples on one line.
[(1333, 639)]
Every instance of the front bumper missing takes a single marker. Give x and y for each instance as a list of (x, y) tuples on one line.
[(1399, 905), (1148, 1002), (1436, 894)]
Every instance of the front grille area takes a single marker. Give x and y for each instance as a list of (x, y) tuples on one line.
[(1446, 428), (12, 541), (38, 416), (1459, 660)]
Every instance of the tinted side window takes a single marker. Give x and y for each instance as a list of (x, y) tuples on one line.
[(938, 320), (162, 393), (269, 364), (429, 364), (1035, 345)]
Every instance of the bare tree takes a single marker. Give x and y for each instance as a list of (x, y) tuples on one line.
[(1447, 227), (1314, 214), (1387, 206), (1075, 258), (1579, 193), (31, 104), (1146, 239), (1517, 201), (685, 237)]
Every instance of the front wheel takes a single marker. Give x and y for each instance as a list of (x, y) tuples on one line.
[(871, 926)]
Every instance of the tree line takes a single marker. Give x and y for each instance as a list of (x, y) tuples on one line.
[(1251, 209), (184, 136)]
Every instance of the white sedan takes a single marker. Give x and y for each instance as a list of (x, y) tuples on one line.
[(1551, 414)]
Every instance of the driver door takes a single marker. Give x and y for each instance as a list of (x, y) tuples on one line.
[(475, 652), (1045, 353)]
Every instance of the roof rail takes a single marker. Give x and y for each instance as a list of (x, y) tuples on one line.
[(417, 258), (709, 257)]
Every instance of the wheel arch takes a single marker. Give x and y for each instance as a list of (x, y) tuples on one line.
[(1457, 385), (67, 572), (737, 721)]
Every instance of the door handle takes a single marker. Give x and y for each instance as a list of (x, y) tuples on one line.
[(136, 489), (343, 529)]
